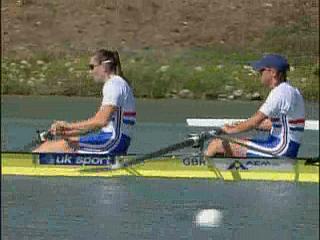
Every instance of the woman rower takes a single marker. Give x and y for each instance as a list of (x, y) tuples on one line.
[(282, 114), (114, 120)]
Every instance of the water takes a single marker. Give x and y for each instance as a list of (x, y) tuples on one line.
[(139, 208), (136, 208), (159, 122)]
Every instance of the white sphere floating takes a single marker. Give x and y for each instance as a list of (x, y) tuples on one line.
[(208, 218)]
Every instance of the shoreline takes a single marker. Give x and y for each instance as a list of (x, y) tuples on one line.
[(149, 99)]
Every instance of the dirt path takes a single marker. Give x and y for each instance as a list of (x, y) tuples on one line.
[(67, 25)]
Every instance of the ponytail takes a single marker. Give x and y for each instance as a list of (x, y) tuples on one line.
[(117, 64), (118, 69)]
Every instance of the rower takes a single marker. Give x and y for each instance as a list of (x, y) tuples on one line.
[(282, 114), (114, 120)]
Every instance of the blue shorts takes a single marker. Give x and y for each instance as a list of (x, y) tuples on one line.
[(273, 145), (104, 143)]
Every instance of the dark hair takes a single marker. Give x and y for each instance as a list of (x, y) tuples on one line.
[(113, 57), (282, 76)]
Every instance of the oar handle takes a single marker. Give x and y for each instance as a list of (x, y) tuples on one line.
[(214, 132), (44, 136)]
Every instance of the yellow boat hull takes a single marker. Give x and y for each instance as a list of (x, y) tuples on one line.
[(23, 164)]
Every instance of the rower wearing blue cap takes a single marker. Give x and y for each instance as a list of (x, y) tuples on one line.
[(282, 114), (274, 61)]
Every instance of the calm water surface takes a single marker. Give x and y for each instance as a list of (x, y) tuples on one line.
[(159, 122), (137, 208)]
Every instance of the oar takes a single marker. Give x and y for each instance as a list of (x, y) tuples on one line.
[(194, 140), (215, 133)]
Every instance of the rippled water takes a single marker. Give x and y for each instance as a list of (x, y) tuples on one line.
[(136, 208)]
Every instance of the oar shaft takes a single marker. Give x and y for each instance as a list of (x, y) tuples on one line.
[(194, 140), (186, 143)]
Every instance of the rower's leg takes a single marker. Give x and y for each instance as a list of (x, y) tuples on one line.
[(218, 146), (54, 146)]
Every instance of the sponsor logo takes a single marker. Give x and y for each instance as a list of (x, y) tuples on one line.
[(68, 159), (63, 159), (240, 164), (236, 165), (258, 163), (247, 164), (93, 161)]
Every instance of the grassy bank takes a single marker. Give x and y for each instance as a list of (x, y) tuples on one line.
[(205, 72), (169, 49)]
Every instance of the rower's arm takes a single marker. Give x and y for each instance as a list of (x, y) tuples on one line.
[(100, 120), (247, 125), (265, 125)]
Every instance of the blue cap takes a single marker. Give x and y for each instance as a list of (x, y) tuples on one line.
[(271, 61)]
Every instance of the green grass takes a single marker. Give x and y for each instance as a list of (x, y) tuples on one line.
[(153, 73), (158, 73)]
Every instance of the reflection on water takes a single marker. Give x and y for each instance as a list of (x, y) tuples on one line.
[(137, 208)]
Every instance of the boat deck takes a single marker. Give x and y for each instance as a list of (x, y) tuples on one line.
[(23, 164)]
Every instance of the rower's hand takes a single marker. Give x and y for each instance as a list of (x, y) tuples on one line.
[(58, 127), (230, 129)]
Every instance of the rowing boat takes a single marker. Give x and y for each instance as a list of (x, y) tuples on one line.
[(188, 166), (158, 164)]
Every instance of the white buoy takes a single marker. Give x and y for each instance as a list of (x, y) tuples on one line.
[(208, 218)]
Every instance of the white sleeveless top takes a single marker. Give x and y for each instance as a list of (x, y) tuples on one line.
[(117, 92)]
